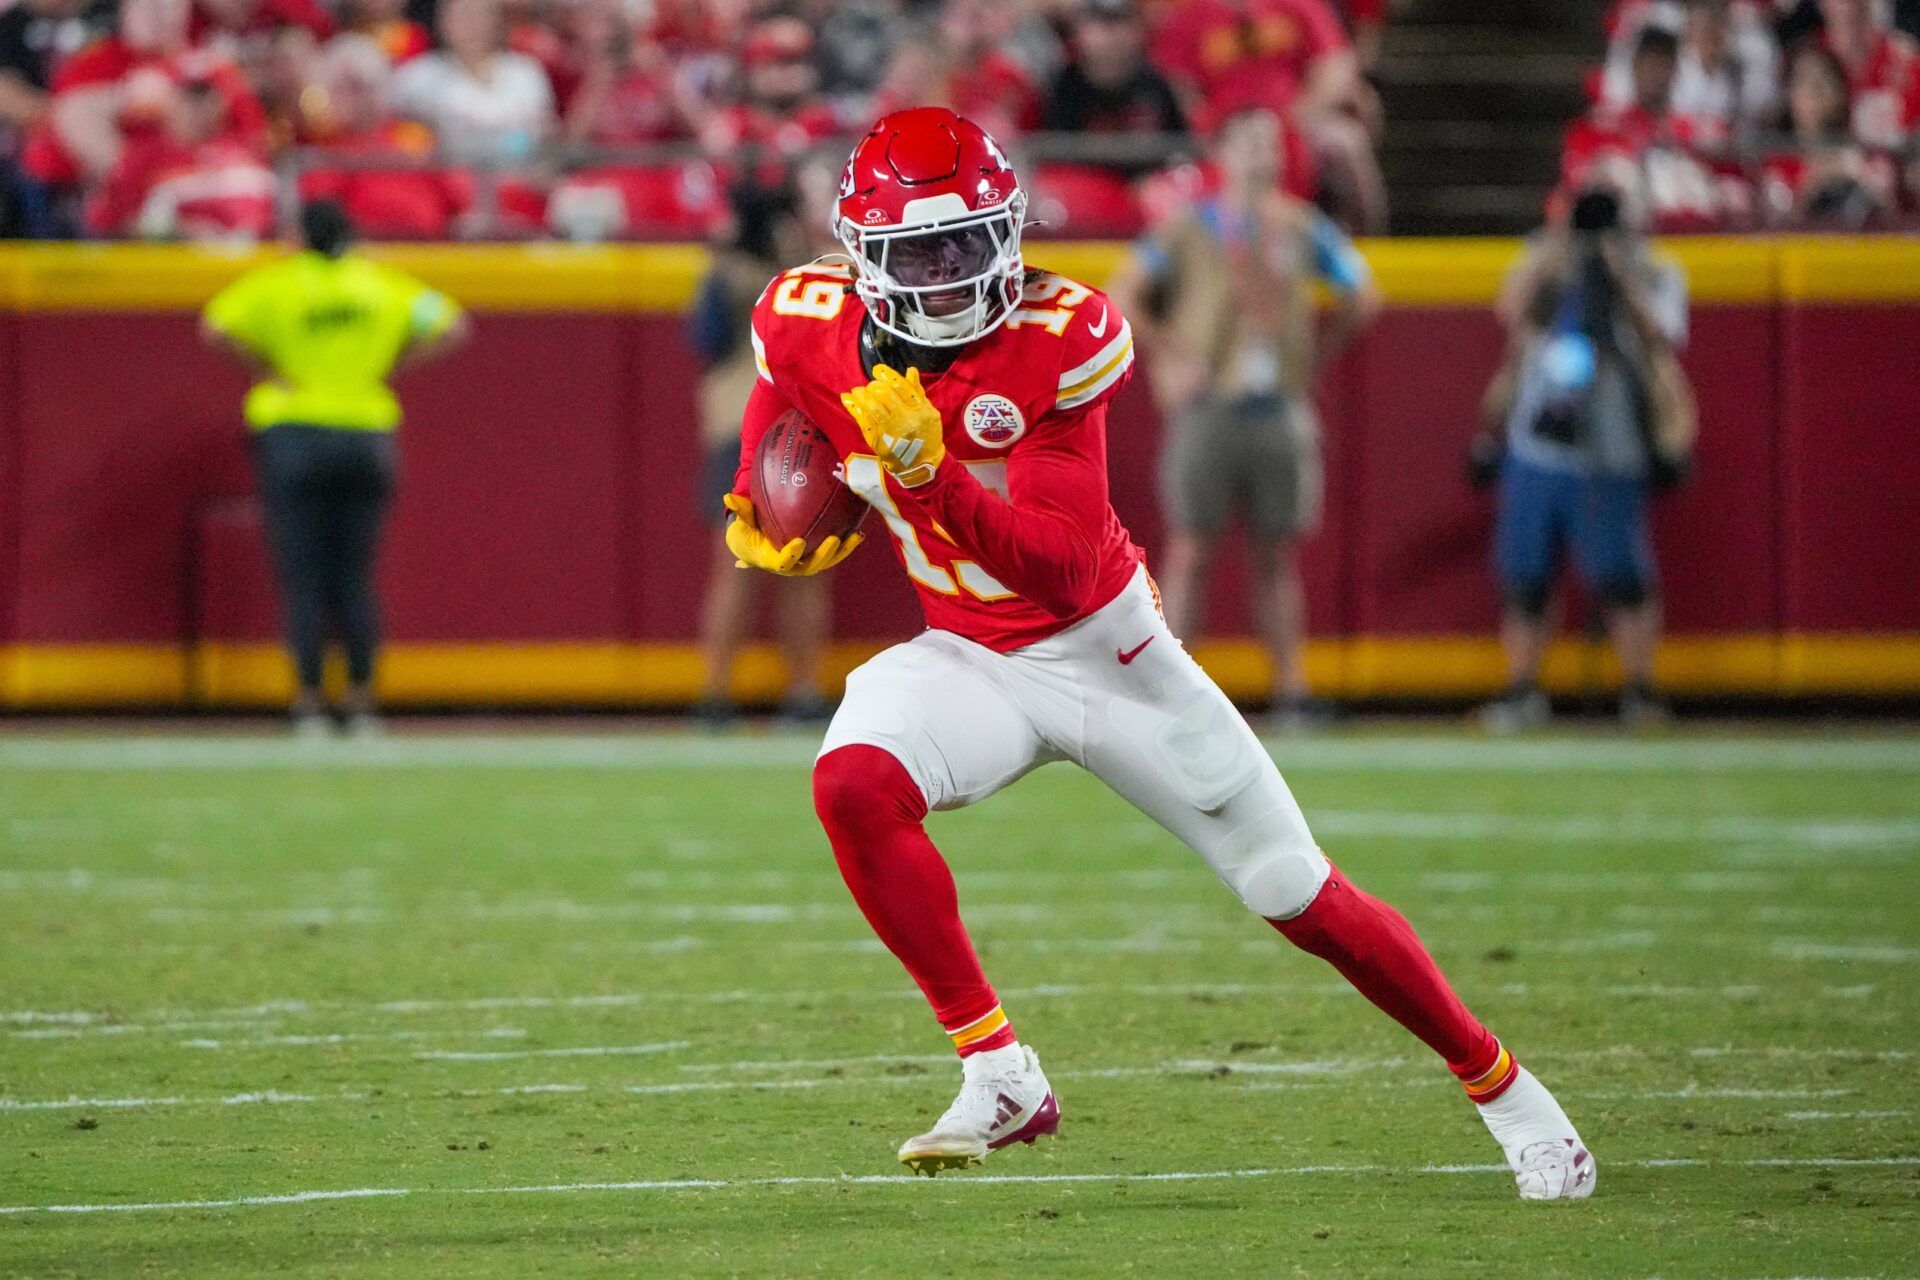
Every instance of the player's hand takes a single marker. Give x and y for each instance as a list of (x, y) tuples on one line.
[(901, 425), (753, 549)]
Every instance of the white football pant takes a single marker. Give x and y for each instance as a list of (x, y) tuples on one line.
[(966, 721)]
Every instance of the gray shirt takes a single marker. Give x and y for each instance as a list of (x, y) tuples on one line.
[(1580, 403)]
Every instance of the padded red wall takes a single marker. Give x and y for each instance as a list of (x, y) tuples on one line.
[(551, 473)]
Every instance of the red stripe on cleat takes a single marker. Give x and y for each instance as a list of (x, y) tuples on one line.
[(1045, 1122)]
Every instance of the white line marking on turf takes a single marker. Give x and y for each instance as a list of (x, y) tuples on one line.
[(345, 1037), (1845, 1115), (1360, 753), (904, 1180), (76, 1022), (579, 1051), (1885, 954)]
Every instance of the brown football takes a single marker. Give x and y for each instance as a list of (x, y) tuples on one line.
[(793, 486)]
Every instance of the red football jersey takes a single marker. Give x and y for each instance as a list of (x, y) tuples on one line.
[(1021, 499)]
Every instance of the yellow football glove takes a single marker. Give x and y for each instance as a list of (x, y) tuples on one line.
[(753, 549), (901, 425)]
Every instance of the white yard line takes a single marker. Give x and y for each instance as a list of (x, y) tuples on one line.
[(1359, 753), (66, 1023), (900, 1180), (1845, 1115), (1250, 1074), (579, 1051), (351, 1037)]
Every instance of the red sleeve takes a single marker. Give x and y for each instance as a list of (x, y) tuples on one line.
[(1324, 33), (1040, 540), (763, 406)]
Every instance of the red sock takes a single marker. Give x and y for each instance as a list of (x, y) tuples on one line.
[(1375, 949), (873, 812)]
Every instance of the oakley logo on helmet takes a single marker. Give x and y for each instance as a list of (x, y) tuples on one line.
[(876, 215)]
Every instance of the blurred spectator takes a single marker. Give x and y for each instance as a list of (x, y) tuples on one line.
[(193, 177), (1109, 86), (237, 28), (34, 35), (386, 23), (1589, 414), (1727, 72), (1682, 172), (118, 88), (1367, 23), (780, 109), (1819, 176), (348, 118), (1291, 57), (962, 65), (323, 332), (857, 38), (627, 95), (1883, 70), (768, 231), (481, 101), (1235, 359)]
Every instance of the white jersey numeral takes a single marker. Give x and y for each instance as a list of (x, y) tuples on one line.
[(866, 478)]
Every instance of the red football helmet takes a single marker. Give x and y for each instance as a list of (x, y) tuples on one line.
[(931, 211)]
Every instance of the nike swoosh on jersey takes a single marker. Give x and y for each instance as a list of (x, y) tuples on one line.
[(1098, 330), (1127, 656)]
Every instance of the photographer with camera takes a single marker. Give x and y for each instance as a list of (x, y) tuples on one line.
[(1589, 415)]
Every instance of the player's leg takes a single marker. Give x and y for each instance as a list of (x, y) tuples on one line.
[(296, 533), (730, 594), (363, 491), (1613, 548), (1196, 495), (923, 726), (1526, 552), (1163, 735), (1283, 505), (806, 607)]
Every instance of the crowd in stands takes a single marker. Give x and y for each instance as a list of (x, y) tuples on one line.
[(590, 119), (600, 119), (1756, 114)]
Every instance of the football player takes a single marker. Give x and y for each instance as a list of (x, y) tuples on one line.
[(967, 396)]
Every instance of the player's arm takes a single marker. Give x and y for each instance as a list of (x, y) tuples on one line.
[(1356, 299), (1040, 540), (437, 326), (751, 548), (229, 325)]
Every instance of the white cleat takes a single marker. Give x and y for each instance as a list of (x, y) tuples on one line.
[(1562, 1169), (1004, 1098), (1548, 1159)]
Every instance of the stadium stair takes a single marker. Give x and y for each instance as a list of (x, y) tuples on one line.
[(1477, 96)]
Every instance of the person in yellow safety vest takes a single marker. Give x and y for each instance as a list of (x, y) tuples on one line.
[(323, 331)]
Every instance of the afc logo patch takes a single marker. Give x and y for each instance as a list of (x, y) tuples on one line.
[(994, 421)]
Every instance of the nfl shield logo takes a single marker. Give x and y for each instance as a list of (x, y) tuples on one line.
[(994, 421)]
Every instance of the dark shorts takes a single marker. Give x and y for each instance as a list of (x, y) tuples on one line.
[(716, 480), (1601, 520), (1255, 458)]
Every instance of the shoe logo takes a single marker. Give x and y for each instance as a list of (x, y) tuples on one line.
[(1005, 1109), (1099, 330), (1127, 656)]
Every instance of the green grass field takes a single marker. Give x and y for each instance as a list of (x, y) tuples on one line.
[(601, 1006)]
